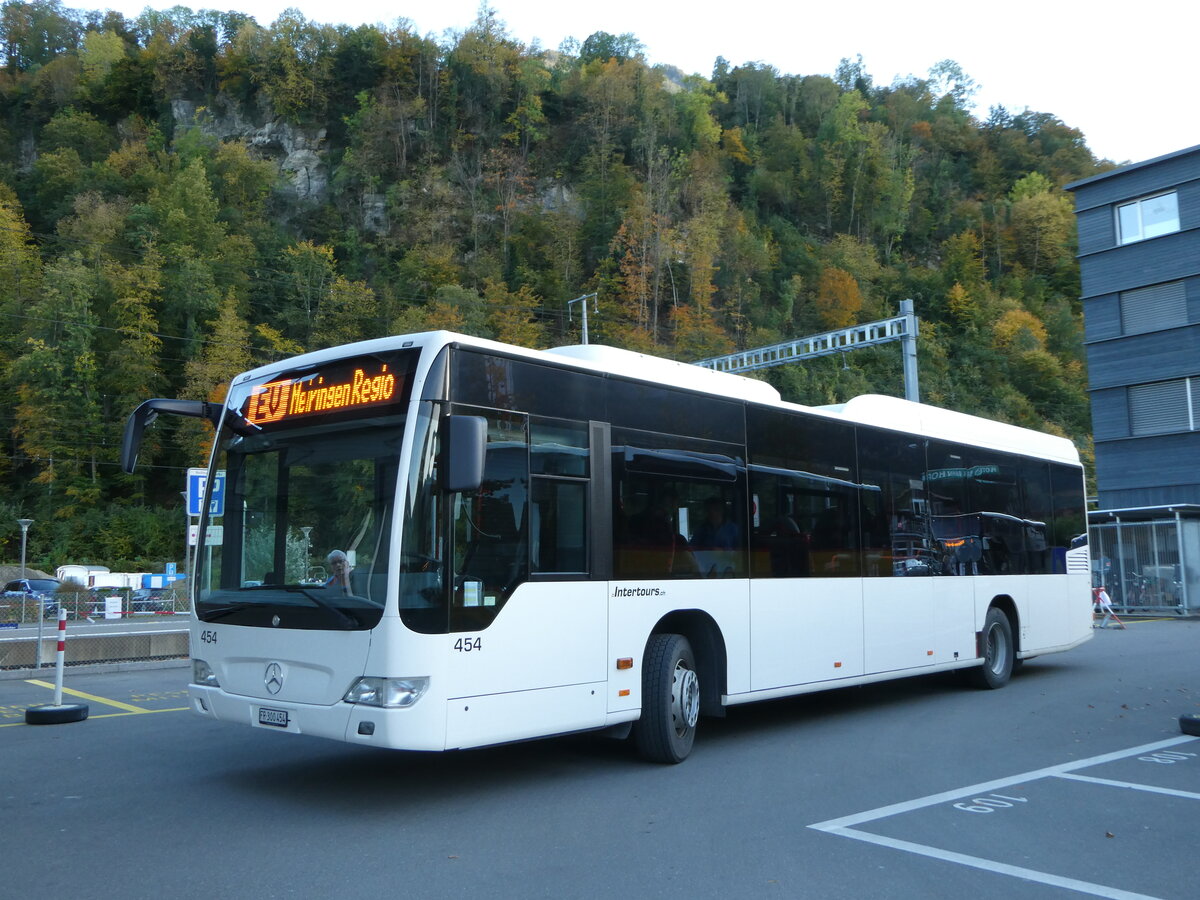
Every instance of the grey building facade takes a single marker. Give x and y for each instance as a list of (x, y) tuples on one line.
[(1139, 257)]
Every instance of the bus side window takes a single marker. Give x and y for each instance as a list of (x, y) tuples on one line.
[(665, 489), (558, 464), (491, 527)]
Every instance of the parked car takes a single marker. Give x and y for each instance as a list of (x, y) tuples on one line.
[(147, 600), (41, 589)]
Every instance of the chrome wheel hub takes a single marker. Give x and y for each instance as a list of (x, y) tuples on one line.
[(685, 698)]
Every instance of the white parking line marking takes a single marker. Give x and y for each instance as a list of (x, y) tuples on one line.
[(844, 826), (988, 787), (1149, 788), (989, 865)]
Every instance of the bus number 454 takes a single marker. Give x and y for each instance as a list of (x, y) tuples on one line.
[(466, 645)]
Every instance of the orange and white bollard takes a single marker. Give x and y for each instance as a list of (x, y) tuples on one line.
[(58, 713)]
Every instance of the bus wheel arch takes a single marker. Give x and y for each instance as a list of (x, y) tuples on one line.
[(708, 644), (997, 645)]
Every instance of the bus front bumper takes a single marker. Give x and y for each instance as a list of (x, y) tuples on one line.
[(399, 729)]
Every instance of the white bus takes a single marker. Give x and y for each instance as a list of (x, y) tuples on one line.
[(587, 538)]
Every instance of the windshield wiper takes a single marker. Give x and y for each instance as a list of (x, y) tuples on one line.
[(341, 615), (219, 612)]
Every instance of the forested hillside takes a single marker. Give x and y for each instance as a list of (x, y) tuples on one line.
[(187, 194)]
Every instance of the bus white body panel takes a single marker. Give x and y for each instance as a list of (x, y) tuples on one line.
[(500, 718), (546, 636), (912, 623), (805, 629), (955, 621), (540, 662)]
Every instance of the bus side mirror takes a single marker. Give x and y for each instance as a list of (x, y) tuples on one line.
[(466, 446), (148, 411)]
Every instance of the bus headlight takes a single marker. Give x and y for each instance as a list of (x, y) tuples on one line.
[(388, 693), (203, 675)]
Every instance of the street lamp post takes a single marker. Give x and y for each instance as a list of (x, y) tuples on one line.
[(25, 523), (307, 530)]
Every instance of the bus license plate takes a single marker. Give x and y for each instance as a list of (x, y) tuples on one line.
[(276, 717)]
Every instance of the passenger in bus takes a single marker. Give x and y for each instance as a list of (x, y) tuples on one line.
[(717, 531), (717, 542), (339, 565), (660, 548)]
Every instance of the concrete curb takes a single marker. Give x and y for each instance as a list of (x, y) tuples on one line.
[(95, 668)]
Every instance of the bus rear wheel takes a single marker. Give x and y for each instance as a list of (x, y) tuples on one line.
[(998, 652), (670, 700)]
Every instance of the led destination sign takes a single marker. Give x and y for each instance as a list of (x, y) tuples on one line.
[(361, 384)]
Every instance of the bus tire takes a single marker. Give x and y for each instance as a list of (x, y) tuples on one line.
[(1189, 723), (998, 652), (670, 700)]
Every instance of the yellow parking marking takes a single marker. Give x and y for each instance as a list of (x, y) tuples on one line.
[(117, 703), (115, 715), (110, 715)]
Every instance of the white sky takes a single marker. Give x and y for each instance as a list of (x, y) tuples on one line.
[(1124, 76)]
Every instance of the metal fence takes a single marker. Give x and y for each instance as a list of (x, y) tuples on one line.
[(92, 605), (1148, 567), (106, 627)]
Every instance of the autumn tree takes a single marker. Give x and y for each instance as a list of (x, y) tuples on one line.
[(838, 298), (1043, 222), (59, 428)]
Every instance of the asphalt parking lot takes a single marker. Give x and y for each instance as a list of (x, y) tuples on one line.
[(1072, 781)]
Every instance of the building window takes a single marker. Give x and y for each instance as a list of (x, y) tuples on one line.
[(1163, 408), (1148, 217), (1154, 308)]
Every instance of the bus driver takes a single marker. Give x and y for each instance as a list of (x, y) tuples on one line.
[(339, 565)]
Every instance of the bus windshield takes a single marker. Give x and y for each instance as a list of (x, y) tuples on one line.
[(303, 537)]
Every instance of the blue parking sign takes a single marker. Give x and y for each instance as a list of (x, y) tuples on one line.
[(197, 483)]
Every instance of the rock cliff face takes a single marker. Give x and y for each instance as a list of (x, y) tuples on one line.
[(301, 154), (298, 151)]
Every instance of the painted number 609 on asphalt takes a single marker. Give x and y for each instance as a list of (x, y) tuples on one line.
[(990, 803)]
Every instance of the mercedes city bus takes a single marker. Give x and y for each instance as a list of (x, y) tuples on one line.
[(534, 543)]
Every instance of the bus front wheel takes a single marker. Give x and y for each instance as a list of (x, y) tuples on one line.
[(998, 651), (670, 700)]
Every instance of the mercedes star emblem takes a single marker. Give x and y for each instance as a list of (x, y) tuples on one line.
[(273, 678)]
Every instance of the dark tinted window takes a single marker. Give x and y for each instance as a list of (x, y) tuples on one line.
[(1070, 511), (977, 511), (1039, 506), (558, 463), (817, 446), (896, 531), (805, 495), (679, 508), (558, 448), (502, 383), (558, 529), (650, 407)]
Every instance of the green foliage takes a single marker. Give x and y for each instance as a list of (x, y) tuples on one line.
[(478, 185)]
